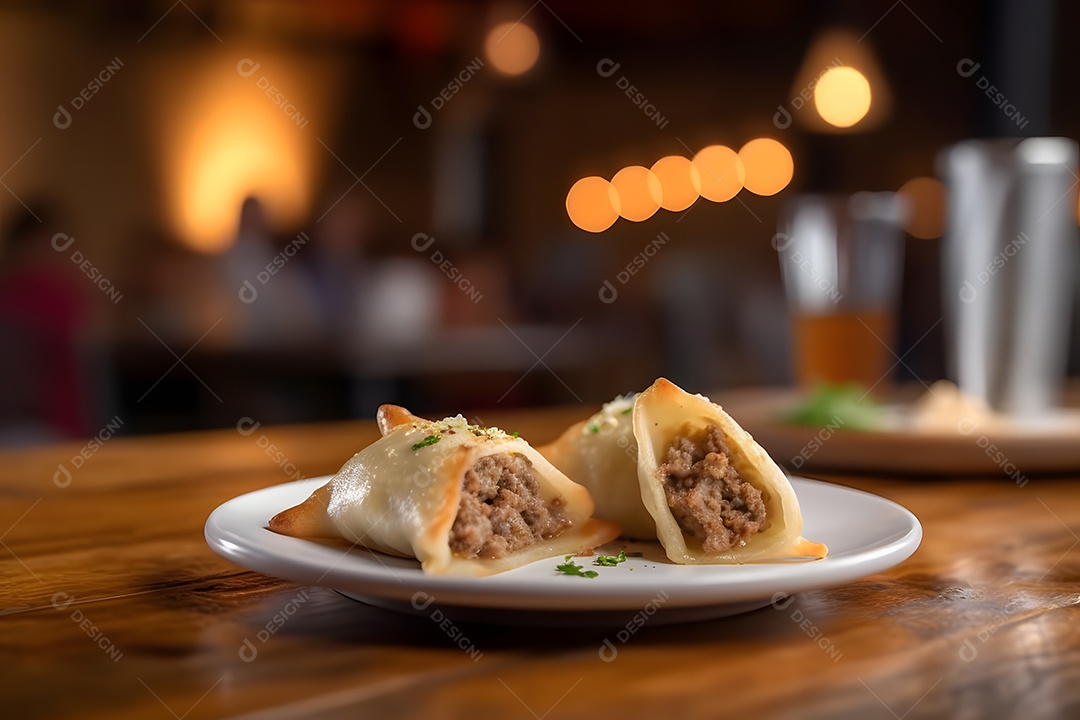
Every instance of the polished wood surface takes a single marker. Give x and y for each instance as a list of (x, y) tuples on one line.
[(114, 607)]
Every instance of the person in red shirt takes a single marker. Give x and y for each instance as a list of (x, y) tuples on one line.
[(45, 314)]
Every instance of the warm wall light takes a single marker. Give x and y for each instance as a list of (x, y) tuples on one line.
[(925, 198), (842, 96), (512, 48), (768, 164), (592, 204), (829, 52), (679, 181), (640, 192), (233, 155), (226, 138), (720, 173)]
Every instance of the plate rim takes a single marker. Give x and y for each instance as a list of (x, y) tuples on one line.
[(381, 582)]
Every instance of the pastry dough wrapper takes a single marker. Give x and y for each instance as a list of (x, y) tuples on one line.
[(626, 480), (400, 501), (601, 454)]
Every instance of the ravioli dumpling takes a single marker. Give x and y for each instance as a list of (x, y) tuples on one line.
[(715, 494), (674, 467), (463, 500)]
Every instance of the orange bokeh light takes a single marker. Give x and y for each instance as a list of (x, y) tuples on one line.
[(925, 198), (679, 181), (592, 204), (842, 96), (720, 173), (768, 164), (640, 192), (512, 48)]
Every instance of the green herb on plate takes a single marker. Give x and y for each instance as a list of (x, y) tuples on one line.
[(610, 560), (571, 568), (838, 406)]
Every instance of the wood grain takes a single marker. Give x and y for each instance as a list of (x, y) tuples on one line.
[(114, 607)]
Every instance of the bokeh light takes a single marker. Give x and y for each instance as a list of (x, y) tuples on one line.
[(592, 204), (925, 198), (679, 181), (720, 173), (842, 96), (640, 192), (512, 48), (226, 143), (768, 166)]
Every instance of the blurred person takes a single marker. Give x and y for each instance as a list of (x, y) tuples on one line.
[(337, 271), (45, 321), (722, 318), (401, 311), (559, 276), (277, 309), (177, 293), (478, 289)]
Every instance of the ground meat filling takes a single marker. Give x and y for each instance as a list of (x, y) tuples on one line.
[(706, 495), (501, 510)]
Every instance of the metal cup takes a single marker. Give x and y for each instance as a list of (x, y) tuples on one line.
[(1009, 260)]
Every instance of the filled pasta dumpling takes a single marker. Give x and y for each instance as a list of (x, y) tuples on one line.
[(464, 500), (675, 467), (715, 494)]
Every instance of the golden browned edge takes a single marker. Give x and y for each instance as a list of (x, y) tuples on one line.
[(438, 530), (391, 416), (809, 549), (308, 519)]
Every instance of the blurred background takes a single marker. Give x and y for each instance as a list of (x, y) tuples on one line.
[(293, 211)]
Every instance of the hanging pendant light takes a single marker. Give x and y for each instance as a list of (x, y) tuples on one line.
[(840, 87)]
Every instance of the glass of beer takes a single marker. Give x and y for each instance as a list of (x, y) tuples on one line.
[(841, 258)]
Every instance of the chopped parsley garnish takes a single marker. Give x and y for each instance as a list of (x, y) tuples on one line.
[(429, 440), (610, 560), (594, 428), (572, 568), (515, 434), (628, 410)]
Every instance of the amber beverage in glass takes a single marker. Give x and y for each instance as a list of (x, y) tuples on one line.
[(841, 260), (843, 347)]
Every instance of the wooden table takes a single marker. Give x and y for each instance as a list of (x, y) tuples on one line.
[(114, 607)]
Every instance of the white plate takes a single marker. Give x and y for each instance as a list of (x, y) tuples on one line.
[(865, 534)]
